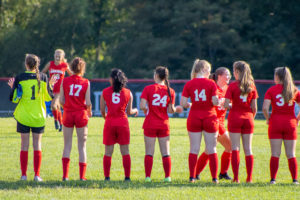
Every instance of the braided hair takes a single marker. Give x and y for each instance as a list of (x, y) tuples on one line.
[(33, 63), (119, 79)]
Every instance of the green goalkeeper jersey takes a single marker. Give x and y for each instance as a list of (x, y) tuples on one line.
[(31, 109)]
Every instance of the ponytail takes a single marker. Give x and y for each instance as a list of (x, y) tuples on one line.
[(33, 62), (289, 88), (119, 80), (245, 76)]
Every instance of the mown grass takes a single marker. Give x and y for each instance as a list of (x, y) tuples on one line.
[(96, 188)]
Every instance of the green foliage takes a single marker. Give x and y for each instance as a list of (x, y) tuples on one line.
[(138, 35)]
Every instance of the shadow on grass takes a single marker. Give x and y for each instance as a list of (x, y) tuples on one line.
[(121, 185)]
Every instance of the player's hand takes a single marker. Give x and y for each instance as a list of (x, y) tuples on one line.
[(136, 111), (267, 121), (10, 82), (90, 113), (53, 80), (178, 109), (190, 105)]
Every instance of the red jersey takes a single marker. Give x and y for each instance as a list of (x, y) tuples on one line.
[(201, 91), (221, 111), (279, 107), (75, 88), (116, 105), (59, 71), (158, 100), (240, 104)]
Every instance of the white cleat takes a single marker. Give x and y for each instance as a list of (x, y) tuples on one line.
[(23, 178), (38, 179)]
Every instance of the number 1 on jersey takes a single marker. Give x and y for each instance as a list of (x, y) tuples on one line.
[(200, 95)]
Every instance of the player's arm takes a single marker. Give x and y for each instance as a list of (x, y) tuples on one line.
[(69, 71), (88, 101), (62, 94), (102, 106), (184, 102), (46, 68), (130, 110), (215, 100), (266, 108), (254, 107)]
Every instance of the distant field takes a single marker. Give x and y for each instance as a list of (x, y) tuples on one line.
[(96, 188)]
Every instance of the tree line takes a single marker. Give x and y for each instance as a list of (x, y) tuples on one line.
[(137, 35)]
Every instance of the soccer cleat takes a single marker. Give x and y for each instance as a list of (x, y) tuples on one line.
[(83, 179), (147, 179), (65, 179), (56, 124), (23, 178), (249, 181), (107, 179), (224, 176), (167, 180), (214, 180), (295, 181), (273, 181), (127, 179), (192, 180), (236, 181), (197, 177), (60, 128), (37, 179)]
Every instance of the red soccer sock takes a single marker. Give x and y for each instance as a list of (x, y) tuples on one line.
[(55, 114), (235, 163), (225, 162), (293, 166), (201, 163), (37, 161), (148, 162), (106, 165), (127, 165), (274, 164), (82, 170), (59, 116), (192, 164), (24, 162), (167, 165), (249, 167), (213, 164), (66, 164)]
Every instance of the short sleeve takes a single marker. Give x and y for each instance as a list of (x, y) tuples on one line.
[(255, 94), (228, 94), (145, 94), (185, 91), (268, 95)]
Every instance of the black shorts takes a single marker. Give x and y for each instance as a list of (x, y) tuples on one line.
[(26, 129)]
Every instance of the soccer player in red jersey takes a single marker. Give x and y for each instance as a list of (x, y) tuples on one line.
[(202, 117), (57, 69), (282, 122), (243, 95), (75, 97), (221, 77), (157, 100), (117, 99)]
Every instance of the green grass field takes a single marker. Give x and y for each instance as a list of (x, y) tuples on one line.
[(96, 188)]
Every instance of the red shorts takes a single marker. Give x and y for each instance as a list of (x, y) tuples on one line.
[(156, 132), (238, 124), (116, 134), (282, 127), (222, 128), (209, 125), (78, 119)]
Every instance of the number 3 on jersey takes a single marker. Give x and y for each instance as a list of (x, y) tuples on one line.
[(75, 86), (158, 100), (200, 95)]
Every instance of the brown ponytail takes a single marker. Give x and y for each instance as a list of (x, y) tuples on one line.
[(33, 62), (245, 76), (285, 77), (219, 72)]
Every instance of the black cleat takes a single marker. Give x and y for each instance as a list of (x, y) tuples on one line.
[(65, 179), (273, 181), (295, 181), (192, 180), (197, 177), (127, 179), (60, 128), (224, 176), (107, 179), (56, 124), (214, 180)]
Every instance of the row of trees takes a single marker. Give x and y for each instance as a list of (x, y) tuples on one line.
[(137, 35)]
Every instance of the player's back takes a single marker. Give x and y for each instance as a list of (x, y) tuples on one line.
[(75, 88)]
